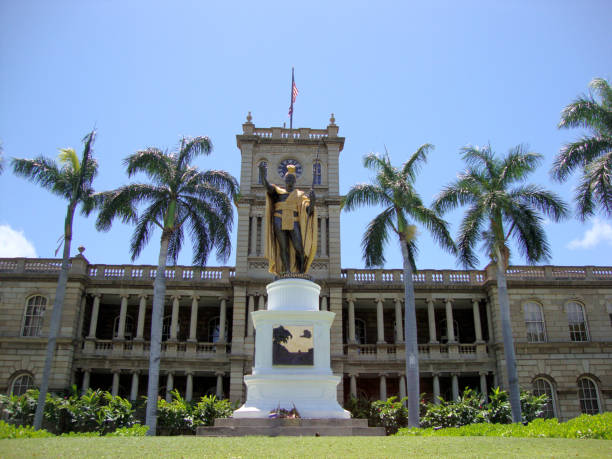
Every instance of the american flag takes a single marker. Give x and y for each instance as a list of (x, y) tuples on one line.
[(294, 93)]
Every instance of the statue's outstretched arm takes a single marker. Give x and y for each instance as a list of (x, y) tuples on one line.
[(262, 175)]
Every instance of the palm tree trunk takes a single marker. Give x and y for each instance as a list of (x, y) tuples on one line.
[(412, 350), (504, 309), (56, 317), (159, 293)]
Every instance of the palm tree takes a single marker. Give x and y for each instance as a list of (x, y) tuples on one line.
[(591, 153), (71, 179), (394, 190), (179, 198), (501, 208)]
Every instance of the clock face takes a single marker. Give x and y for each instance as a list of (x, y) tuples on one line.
[(282, 167)]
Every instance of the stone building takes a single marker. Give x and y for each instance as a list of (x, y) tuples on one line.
[(561, 316)]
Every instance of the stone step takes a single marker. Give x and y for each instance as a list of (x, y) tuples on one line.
[(230, 427)]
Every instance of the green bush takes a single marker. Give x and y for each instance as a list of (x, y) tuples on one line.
[(210, 408), (585, 426), (390, 414), (359, 407), (14, 431), (179, 416), (135, 431)]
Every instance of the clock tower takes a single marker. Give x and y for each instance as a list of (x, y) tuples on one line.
[(314, 153)]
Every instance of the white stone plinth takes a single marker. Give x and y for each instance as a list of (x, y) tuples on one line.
[(310, 388)]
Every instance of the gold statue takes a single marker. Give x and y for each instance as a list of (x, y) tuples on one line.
[(291, 225)]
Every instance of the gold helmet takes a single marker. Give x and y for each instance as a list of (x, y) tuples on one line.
[(290, 169)]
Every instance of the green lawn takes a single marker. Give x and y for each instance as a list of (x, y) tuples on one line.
[(247, 447)]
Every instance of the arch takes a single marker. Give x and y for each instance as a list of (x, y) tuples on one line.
[(316, 172), (33, 315), (534, 322), (214, 330), (588, 395), (576, 320), (544, 385), (129, 327), (21, 382), (261, 162)]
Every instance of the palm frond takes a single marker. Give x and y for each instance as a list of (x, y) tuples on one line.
[(123, 203), (545, 201), (437, 226), (153, 162), (192, 147), (586, 112), (69, 157), (480, 158), (469, 235), (364, 194), (411, 167), (375, 237), (517, 164), (44, 172), (145, 225), (529, 235), (579, 154), (595, 187), (460, 193)]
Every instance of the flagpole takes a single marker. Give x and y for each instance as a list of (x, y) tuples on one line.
[(291, 98)]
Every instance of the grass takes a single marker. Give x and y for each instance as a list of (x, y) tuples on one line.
[(168, 447)]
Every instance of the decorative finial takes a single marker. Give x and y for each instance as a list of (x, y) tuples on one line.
[(81, 249), (332, 120), (249, 118)]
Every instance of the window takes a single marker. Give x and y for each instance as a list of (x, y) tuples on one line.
[(213, 330), (166, 325), (316, 173), (534, 322), (541, 386), (265, 165), (588, 396), (576, 321), (360, 331), (129, 327), (21, 384), (33, 318)]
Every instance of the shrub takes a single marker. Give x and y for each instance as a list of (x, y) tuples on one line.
[(175, 416), (390, 414), (359, 407), (468, 409), (13, 431), (135, 431), (210, 408)]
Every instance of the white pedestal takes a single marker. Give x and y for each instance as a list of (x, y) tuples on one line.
[(311, 388)]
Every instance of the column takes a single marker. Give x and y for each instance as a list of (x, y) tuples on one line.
[(189, 388), (251, 308), (380, 321), (253, 236), (450, 323), (169, 386), (455, 386), (351, 320), (489, 321), (402, 387), (353, 384), (436, 389), (134, 391), (495, 381), (483, 385), (261, 303), (323, 237), (193, 321), (477, 326), (115, 388), (86, 377), (431, 315), (122, 314), (219, 391), (383, 387), (175, 314), (399, 329), (142, 310), (323, 303), (94, 316), (222, 319)]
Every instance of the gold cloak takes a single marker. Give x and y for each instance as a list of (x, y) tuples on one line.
[(308, 230)]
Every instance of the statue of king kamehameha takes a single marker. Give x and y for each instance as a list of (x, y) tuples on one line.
[(291, 225)]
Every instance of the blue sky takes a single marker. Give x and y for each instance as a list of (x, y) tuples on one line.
[(396, 75)]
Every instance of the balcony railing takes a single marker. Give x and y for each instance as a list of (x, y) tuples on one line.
[(383, 351), (117, 348)]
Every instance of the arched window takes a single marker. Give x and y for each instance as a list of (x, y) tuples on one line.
[(534, 322), (21, 384), (33, 316), (213, 330), (576, 321), (360, 331), (316, 173), (588, 396), (265, 165), (542, 386), (129, 327), (166, 326)]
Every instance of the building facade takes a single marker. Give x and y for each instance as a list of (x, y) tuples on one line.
[(561, 316)]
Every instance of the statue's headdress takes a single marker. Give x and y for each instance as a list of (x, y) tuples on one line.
[(291, 169)]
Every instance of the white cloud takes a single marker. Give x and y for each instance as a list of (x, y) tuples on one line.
[(600, 232), (14, 244)]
